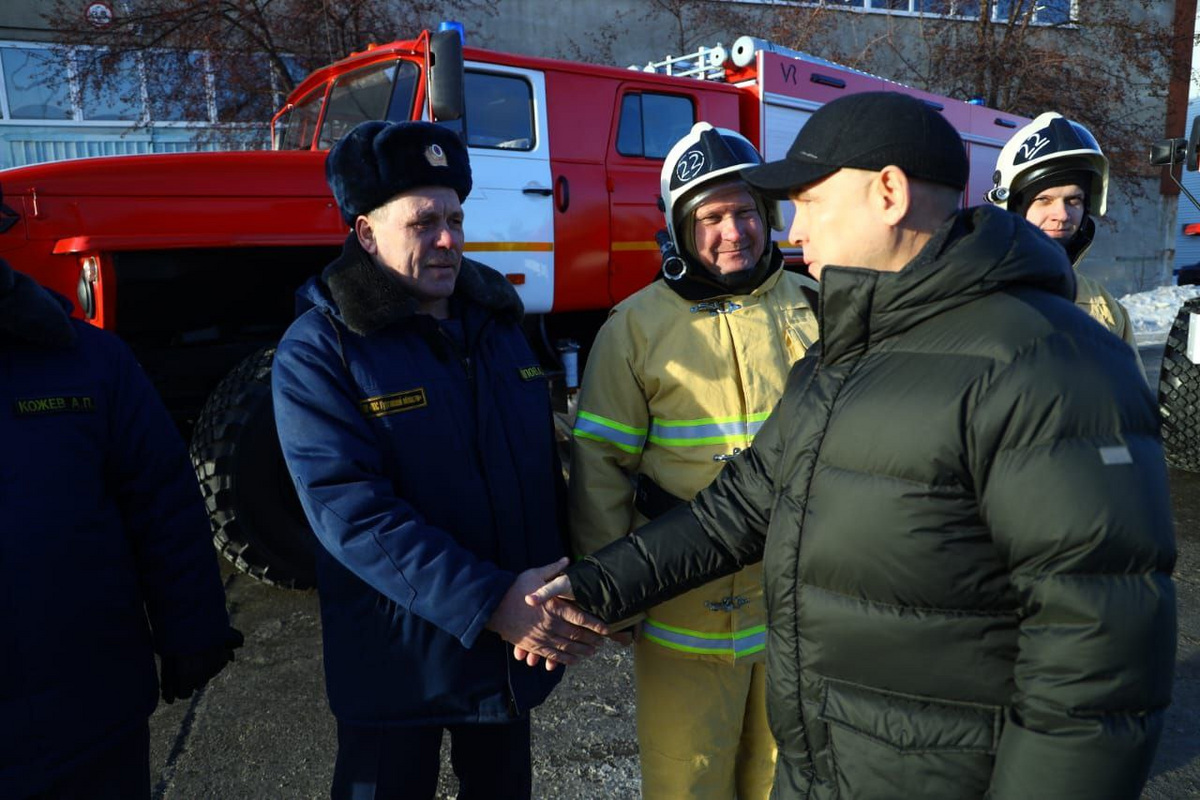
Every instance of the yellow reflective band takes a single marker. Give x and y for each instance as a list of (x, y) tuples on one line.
[(628, 448), (707, 431), (742, 634), (737, 644), (706, 651), (680, 423), (618, 434)]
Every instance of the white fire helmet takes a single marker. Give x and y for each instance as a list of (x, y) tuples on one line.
[(706, 157), (1046, 147)]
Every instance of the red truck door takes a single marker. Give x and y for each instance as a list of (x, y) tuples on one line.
[(647, 122)]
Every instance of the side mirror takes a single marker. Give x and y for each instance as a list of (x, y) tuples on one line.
[(1169, 152), (445, 82)]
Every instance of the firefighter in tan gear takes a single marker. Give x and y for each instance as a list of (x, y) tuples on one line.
[(680, 377), (1054, 174)]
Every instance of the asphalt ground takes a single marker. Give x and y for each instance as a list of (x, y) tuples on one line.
[(262, 728)]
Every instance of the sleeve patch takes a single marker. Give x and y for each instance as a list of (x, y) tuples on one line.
[(386, 404), (58, 404), (531, 373)]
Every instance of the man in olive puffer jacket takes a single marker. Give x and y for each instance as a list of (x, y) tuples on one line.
[(960, 501)]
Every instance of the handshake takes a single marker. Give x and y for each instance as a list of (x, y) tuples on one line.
[(536, 616)]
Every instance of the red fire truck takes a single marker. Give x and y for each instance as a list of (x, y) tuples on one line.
[(194, 258)]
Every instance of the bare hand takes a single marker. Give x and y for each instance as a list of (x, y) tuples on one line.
[(624, 638), (556, 631), (559, 587), (556, 595)]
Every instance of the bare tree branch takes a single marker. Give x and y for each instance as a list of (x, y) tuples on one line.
[(259, 48)]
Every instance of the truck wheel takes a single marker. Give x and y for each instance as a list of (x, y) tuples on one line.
[(257, 520), (1179, 395)]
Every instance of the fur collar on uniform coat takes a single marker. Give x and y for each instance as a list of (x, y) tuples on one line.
[(369, 299), (29, 313)]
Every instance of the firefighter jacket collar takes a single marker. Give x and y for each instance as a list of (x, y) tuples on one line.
[(29, 313), (367, 299), (988, 248)]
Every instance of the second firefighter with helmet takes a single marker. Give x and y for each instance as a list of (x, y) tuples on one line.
[(1053, 173), (680, 378)]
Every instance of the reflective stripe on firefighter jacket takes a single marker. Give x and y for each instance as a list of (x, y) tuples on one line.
[(672, 389)]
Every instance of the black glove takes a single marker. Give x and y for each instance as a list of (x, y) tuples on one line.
[(184, 673)]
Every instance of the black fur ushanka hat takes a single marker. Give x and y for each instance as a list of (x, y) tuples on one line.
[(378, 160)]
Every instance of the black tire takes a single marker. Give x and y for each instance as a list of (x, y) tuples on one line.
[(257, 520), (1179, 395)]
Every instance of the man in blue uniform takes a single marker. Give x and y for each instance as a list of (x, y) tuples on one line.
[(105, 557), (415, 421)]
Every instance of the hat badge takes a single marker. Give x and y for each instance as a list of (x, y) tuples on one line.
[(435, 155)]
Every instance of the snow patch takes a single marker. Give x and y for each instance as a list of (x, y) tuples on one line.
[(1153, 312)]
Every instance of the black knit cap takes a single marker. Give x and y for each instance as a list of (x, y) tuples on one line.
[(868, 130), (1026, 189), (378, 160)]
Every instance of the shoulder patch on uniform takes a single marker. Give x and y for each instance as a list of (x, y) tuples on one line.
[(54, 404), (393, 403), (531, 373)]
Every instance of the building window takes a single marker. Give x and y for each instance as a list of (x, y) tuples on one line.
[(57, 83), (1045, 12), (37, 83), (234, 102), (114, 94), (176, 86)]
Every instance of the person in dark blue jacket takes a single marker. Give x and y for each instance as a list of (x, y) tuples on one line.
[(106, 557), (415, 421)]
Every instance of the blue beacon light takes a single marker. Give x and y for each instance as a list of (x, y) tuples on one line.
[(454, 25)]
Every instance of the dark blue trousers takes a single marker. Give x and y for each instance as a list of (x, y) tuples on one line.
[(120, 771), (491, 762)]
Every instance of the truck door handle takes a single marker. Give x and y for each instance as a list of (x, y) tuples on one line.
[(562, 194), (542, 190)]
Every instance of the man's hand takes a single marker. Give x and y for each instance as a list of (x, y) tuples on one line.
[(559, 587), (556, 595), (554, 630), (185, 673)]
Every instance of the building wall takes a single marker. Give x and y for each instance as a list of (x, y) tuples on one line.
[(22, 20)]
